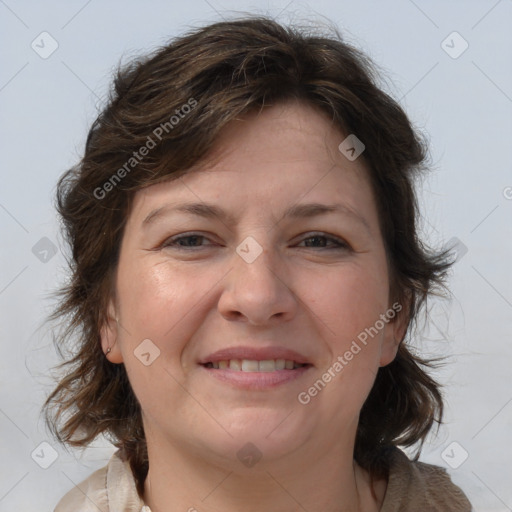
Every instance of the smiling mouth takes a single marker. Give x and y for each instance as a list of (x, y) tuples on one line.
[(252, 365)]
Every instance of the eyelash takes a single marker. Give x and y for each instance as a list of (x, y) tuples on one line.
[(173, 242)]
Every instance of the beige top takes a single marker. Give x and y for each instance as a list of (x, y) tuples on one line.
[(412, 487)]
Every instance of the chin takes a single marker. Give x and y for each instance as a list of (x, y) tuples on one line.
[(264, 434)]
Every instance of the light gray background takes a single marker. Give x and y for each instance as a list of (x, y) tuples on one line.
[(465, 105)]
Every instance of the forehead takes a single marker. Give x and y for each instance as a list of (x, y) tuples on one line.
[(294, 130), (278, 155)]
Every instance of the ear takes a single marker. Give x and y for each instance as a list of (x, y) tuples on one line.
[(109, 332), (395, 331)]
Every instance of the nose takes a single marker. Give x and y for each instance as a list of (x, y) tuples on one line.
[(258, 291)]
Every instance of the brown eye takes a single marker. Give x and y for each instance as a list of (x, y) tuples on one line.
[(185, 241), (321, 241)]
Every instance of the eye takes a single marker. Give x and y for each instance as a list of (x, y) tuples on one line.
[(321, 241), (195, 241), (187, 241)]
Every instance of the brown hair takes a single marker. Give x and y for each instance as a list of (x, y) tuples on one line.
[(221, 72)]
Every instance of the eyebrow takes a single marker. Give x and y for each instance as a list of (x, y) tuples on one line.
[(210, 211)]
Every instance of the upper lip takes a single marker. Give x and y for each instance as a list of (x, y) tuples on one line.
[(255, 354)]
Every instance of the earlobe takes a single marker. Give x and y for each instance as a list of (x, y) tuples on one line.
[(396, 330), (389, 351), (109, 333)]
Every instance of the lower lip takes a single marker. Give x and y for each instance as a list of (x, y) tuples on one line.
[(256, 380)]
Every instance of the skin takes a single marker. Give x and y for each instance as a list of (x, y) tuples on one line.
[(305, 294)]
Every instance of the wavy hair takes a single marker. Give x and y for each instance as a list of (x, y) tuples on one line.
[(223, 71)]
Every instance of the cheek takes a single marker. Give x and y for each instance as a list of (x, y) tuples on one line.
[(156, 303), (350, 300), (153, 298), (357, 333), (353, 345)]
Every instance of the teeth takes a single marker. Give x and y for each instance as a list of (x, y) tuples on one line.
[(235, 364), (267, 366), (251, 365)]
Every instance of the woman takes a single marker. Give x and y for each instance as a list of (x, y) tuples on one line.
[(245, 269)]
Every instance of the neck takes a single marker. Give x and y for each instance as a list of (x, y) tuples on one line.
[(180, 480)]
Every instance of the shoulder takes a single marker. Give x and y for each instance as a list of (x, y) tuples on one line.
[(414, 485), (107, 489), (89, 495)]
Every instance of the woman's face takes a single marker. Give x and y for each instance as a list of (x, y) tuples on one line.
[(245, 290)]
